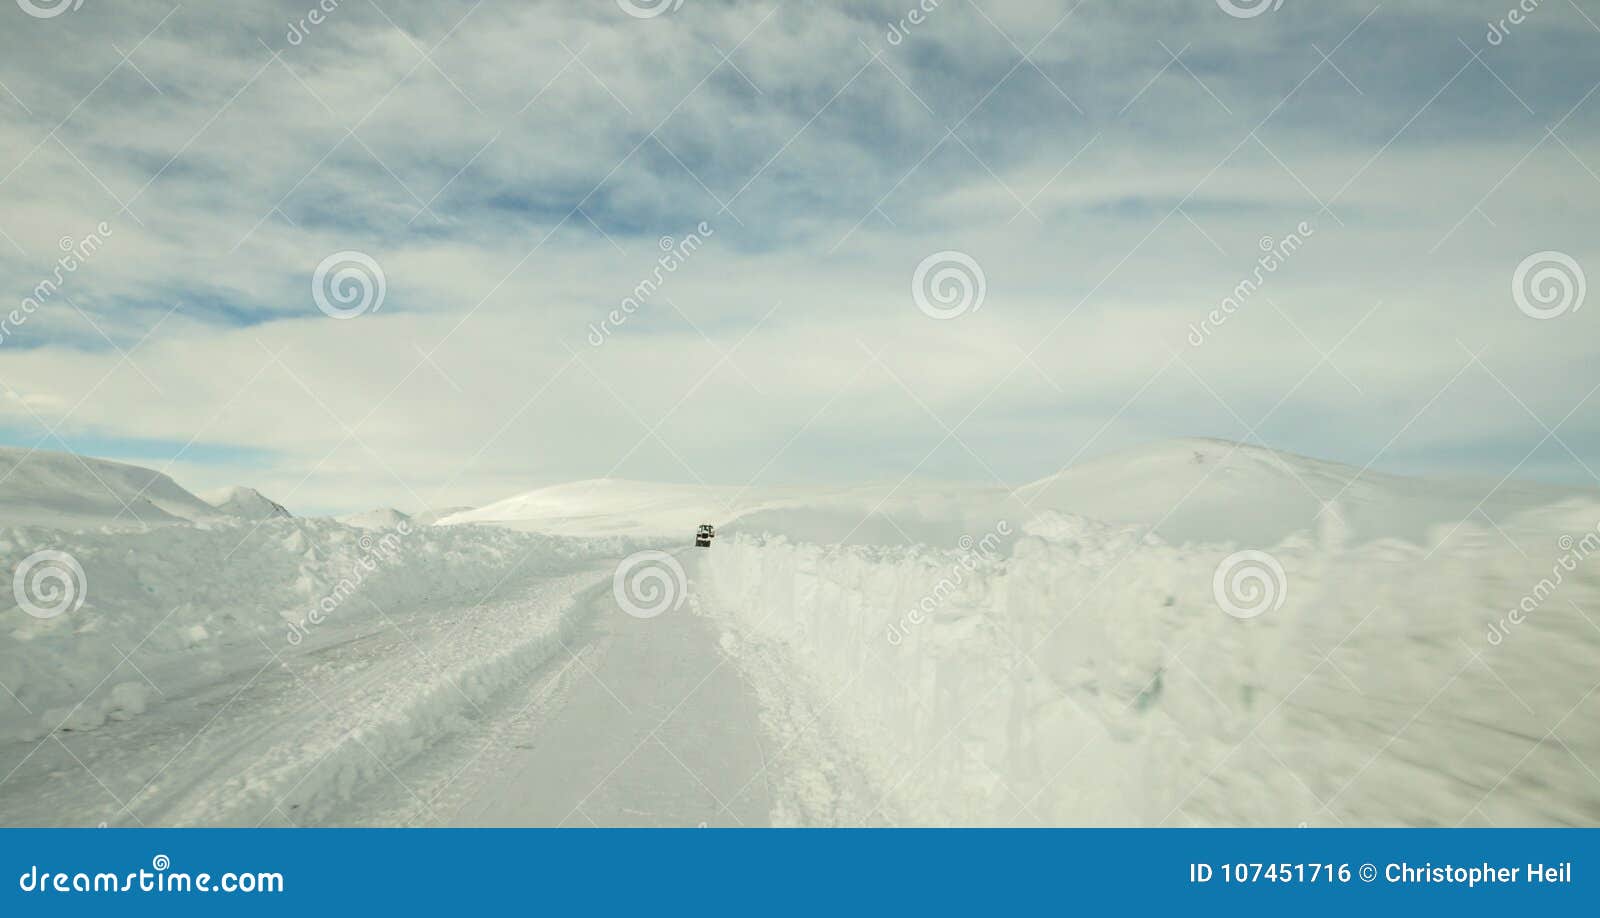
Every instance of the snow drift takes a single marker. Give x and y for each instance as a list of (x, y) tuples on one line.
[(231, 672), (1088, 673)]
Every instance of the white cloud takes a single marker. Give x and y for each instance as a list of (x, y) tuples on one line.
[(514, 195)]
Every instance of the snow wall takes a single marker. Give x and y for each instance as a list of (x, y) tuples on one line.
[(1072, 673), (199, 599)]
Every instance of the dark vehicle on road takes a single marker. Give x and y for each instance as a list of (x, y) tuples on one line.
[(704, 535)]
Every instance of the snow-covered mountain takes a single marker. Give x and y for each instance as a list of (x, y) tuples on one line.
[(1184, 490), (246, 503), (67, 491), (1198, 489), (611, 506), (867, 514)]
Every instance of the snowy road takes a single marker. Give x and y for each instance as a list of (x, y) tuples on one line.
[(1064, 671), (669, 721), (540, 704), (654, 728)]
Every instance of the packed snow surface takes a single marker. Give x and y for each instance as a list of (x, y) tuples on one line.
[(868, 514)]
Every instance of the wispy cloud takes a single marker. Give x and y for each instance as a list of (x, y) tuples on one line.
[(1113, 167)]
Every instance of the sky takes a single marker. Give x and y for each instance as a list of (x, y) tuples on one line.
[(384, 252)]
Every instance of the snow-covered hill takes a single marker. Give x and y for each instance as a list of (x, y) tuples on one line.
[(246, 504), (867, 514), (610, 506), (430, 517), (1213, 490), (1186, 490), (67, 491)]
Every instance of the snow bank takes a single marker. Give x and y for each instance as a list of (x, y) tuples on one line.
[(335, 653), (1087, 674), (188, 594)]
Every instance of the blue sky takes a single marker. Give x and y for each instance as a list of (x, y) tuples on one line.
[(1113, 169)]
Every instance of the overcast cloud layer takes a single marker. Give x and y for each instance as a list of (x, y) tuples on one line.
[(1115, 171)]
